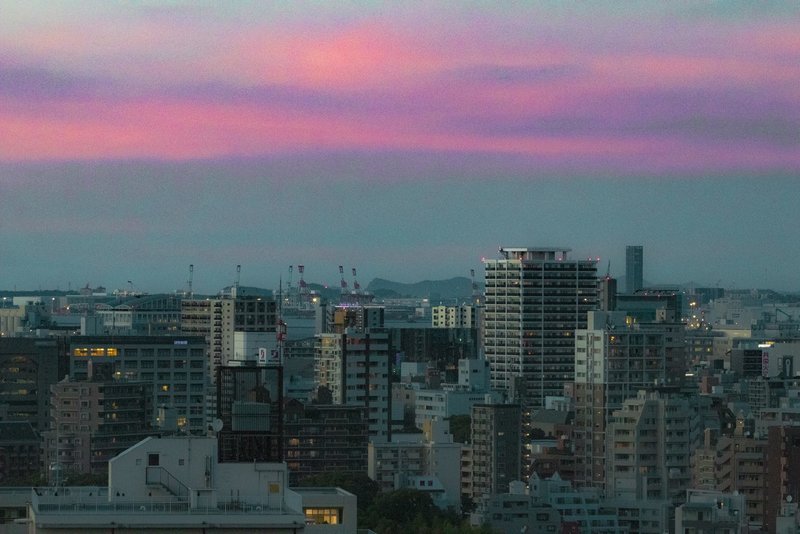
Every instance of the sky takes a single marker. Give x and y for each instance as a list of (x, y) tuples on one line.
[(407, 139)]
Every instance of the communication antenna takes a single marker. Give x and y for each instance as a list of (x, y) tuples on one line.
[(191, 279)]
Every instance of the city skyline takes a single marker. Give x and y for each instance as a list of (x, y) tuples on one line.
[(407, 140)]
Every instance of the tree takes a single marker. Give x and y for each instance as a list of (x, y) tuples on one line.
[(460, 428)]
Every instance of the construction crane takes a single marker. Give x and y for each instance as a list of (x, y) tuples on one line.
[(476, 295), (342, 283), (356, 285)]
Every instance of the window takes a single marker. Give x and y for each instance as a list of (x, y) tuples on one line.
[(152, 459), (323, 516)]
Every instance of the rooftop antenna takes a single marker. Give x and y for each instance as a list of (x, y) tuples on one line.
[(238, 276), (608, 270), (191, 279), (289, 282)]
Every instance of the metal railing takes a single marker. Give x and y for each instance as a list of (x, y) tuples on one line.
[(159, 475)]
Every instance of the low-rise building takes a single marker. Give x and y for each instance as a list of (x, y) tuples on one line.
[(178, 484), (712, 512), (429, 462)]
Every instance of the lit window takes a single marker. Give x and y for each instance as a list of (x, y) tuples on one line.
[(323, 516)]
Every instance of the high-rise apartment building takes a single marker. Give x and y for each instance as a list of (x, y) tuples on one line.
[(634, 263), (535, 300)]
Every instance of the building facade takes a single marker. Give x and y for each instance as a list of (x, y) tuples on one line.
[(91, 422), (634, 268), (175, 366), (355, 367), (495, 448), (535, 300)]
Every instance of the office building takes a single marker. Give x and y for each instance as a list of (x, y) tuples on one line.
[(634, 263), (249, 413), (174, 366), (535, 300)]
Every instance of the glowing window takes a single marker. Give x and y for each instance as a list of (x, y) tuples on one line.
[(80, 352), (323, 516)]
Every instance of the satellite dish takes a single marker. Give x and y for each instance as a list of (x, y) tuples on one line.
[(216, 425)]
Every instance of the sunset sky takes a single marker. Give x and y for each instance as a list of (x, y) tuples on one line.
[(407, 138)]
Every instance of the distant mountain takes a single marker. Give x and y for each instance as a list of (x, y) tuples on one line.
[(459, 287)]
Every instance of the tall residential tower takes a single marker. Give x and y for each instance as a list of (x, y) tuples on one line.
[(535, 300)]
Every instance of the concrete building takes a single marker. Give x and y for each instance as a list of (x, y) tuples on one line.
[(177, 485), (355, 367), (517, 511), (634, 268), (20, 457), (580, 507), (783, 477), (535, 300), (320, 438), (461, 316), (140, 315), (28, 368), (242, 309), (649, 446), (428, 462), (712, 512), (175, 366), (495, 454), (91, 422), (615, 357)]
